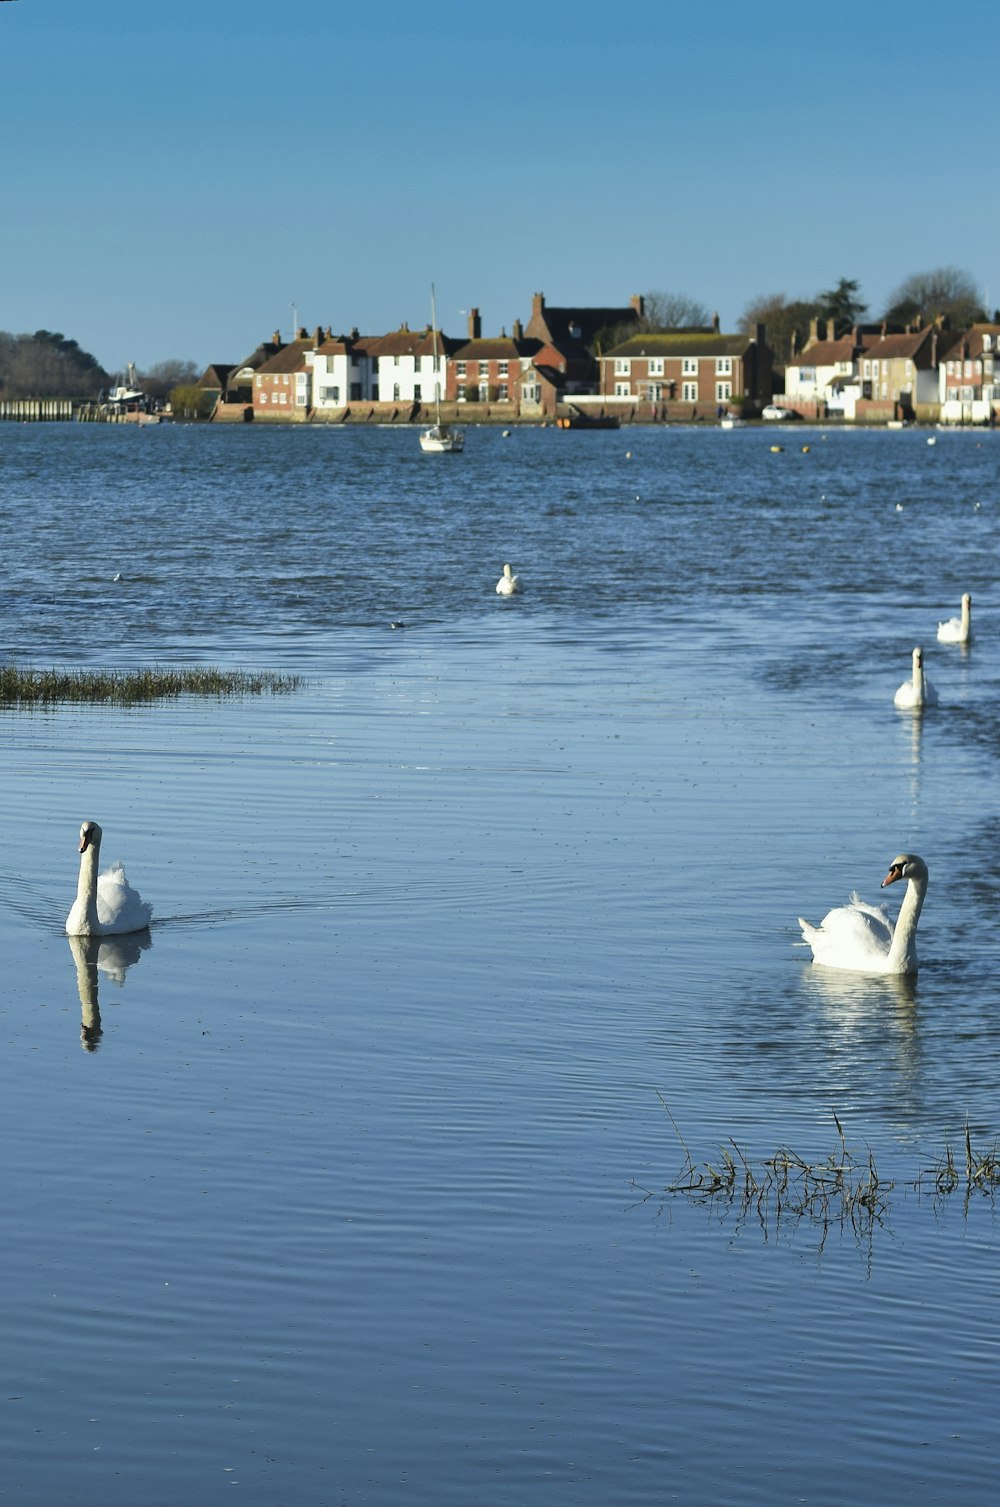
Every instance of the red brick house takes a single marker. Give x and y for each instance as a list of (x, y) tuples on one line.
[(282, 386), (525, 373), (969, 377), (691, 373), (576, 333)]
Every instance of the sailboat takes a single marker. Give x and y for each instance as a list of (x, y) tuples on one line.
[(439, 438)]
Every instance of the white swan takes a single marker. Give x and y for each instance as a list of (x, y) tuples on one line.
[(105, 906), (509, 584), (958, 630), (862, 937), (917, 692)]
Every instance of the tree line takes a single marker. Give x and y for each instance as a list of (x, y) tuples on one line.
[(48, 365), (946, 293)]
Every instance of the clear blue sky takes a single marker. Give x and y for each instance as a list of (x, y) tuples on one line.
[(176, 177)]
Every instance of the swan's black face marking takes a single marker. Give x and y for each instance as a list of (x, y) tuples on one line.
[(896, 872), (86, 836)]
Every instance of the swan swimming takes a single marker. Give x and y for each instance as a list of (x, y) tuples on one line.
[(917, 692), (958, 630), (105, 906), (862, 937), (509, 584)]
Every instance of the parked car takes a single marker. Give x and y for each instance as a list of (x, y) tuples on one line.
[(773, 411)]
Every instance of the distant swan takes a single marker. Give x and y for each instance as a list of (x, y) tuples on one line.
[(958, 630), (509, 584), (861, 937), (917, 692), (105, 906)]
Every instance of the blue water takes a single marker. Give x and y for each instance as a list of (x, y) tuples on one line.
[(356, 1193)]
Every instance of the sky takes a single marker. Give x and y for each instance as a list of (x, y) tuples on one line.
[(181, 180)]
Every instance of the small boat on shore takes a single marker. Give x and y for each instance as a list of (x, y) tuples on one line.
[(577, 419)]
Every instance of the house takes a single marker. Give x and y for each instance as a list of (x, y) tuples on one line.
[(408, 370), (239, 384), (575, 334), (969, 377), (345, 370), (282, 386), (869, 373), (526, 373), (702, 370)]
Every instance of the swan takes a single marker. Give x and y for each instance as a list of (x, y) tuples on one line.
[(862, 937), (958, 630), (918, 692), (509, 583), (105, 906)]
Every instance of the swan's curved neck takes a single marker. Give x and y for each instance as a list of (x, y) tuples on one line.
[(903, 952), (86, 885), (966, 613)]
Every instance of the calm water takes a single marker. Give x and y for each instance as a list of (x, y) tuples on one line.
[(345, 1200)]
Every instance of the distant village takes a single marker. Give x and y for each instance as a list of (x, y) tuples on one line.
[(574, 367), (598, 363)]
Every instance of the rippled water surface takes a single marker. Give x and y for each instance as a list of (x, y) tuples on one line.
[(347, 1184)]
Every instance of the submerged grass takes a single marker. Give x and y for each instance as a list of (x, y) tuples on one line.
[(842, 1191), (22, 687)]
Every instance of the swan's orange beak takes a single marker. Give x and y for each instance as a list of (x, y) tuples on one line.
[(894, 873)]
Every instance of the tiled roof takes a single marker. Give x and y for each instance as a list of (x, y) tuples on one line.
[(291, 358), (825, 352), (497, 348), (407, 343), (682, 343), (562, 324)]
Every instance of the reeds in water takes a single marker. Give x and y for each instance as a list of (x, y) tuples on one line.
[(27, 687)]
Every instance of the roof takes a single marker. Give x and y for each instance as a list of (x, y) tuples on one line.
[(825, 352), (496, 348), (576, 326), (291, 358), (404, 342), (682, 343)]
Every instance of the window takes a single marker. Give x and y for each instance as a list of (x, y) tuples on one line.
[(689, 392), (654, 366), (460, 370), (484, 387), (330, 394), (723, 392), (689, 366), (530, 392), (263, 397), (503, 395), (723, 366), (416, 363), (988, 365), (395, 392), (623, 389), (501, 368), (622, 366), (652, 391), (395, 360), (987, 342), (416, 392)]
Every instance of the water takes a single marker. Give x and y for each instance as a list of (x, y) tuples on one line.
[(356, 1193)]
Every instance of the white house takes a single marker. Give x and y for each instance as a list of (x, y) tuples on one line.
[(344, 370), (407, 367)]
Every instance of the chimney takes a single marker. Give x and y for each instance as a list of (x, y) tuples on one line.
[(638, 303), (276, 338), (517, 333), (794, 344), (715, 322), (760, 334), (318, 336), (475, 325), (537, 304), (813, 332)]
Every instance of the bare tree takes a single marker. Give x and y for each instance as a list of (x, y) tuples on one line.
[(782, 319), (672, 311), (166, 375), (923, 296)]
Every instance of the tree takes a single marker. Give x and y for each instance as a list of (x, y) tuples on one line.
[(165, 375), (947, 291), (842, 305), (190, 401), (782, 319), (671, 311), (46, 365)]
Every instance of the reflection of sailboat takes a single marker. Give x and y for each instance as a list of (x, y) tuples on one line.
[(111, 955), (440, 438)]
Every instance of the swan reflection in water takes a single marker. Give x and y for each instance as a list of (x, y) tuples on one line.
[(872, 1021), (113, 956)]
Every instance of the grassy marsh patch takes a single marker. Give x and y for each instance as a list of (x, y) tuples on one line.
[(33, 687)]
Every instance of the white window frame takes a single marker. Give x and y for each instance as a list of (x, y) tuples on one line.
[(623, 367), (689, 392), (723, 392), (723, 366), (654, 366), (689, 366), (623, 389)]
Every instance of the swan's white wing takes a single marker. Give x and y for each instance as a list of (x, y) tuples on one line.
[(120, 908), (951, 631), (857, 935)]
